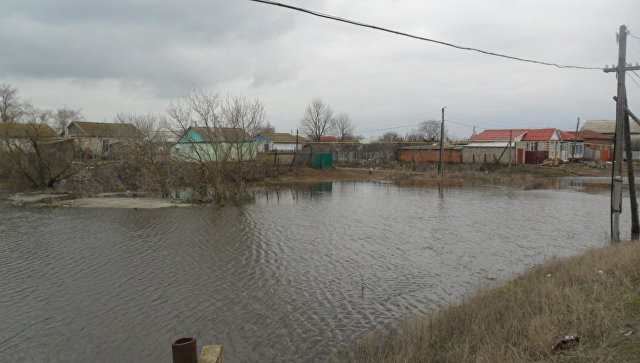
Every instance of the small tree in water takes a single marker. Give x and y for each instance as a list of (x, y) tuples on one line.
[(225, 153)]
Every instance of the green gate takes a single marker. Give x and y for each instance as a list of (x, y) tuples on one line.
[(322, 161)]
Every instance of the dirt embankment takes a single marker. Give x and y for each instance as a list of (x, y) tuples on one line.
[(105, 200), (455, 175)]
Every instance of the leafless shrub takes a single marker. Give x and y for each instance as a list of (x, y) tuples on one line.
[(220, 141), (32, 153)]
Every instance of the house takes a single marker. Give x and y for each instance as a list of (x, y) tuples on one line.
[(279, 141), (98, 138), (21, 134), (597, 147), (206, 144), (529, 146), (429, 154), (23, 137), (608, 128), (21, 131)]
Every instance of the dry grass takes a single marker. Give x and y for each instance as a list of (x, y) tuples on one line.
[(521, 320), (520, 176)]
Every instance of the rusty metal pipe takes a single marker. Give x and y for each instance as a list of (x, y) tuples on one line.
[(184, 350)]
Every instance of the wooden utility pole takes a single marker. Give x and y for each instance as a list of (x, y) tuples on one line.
[(441, 165), (635, 226), (621, 115), (575, 141)]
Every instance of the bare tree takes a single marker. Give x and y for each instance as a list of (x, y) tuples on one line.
[(146, 161), (344, 127), (430, 130), (64, 116), (266, 129), (318, 120), (12, 108), (414, 136), (33, 151), (390, 136), (226, 154)]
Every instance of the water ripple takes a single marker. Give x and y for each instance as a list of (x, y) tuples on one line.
[(278, 280)]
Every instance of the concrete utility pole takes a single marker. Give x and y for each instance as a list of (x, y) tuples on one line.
[(621, 116), (441, 165)]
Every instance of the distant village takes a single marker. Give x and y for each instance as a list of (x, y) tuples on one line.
[(108, 141)]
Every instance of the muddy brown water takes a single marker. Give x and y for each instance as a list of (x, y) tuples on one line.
[(276, 280)]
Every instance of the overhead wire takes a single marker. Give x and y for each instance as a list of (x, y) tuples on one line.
[(448, 44), (633, 79)]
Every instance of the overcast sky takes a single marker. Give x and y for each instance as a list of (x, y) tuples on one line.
[(106, 57)]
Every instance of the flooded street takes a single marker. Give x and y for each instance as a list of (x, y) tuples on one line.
[(276, 280)]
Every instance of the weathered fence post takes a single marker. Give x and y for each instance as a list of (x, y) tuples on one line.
[(184, 350)]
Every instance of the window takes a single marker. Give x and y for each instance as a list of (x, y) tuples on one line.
[(578, 148), (533, 146)]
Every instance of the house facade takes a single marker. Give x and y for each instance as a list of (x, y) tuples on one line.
[(99, 138), (203, 144), (19, 133), (523, 146)]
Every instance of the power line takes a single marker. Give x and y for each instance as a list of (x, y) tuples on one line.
[(633, 80), (353, 22), (391, 128), (632, 36)]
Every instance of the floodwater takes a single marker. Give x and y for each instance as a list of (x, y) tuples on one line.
[(276, 280)]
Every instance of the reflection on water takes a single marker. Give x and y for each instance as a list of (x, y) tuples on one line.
[(277, 280)]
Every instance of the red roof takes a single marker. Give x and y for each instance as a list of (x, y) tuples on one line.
[(582, 135), (570, 136), (539, 135), (588, 134), (498, 135), (506, 134), (329, 139)]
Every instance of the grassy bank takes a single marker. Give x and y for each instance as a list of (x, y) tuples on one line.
[(596, 295), (525, 176)]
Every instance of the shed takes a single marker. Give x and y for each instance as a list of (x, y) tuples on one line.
[(488, 152)]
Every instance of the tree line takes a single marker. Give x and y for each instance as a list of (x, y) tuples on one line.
[(219, 168)]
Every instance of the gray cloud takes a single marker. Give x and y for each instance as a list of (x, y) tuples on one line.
[(158, 50)]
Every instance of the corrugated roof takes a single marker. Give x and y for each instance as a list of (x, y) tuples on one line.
[(22, 131), (498, 135), (222, 134), (104, 129), (608, 127)]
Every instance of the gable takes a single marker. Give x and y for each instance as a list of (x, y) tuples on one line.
[(191, 136)]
